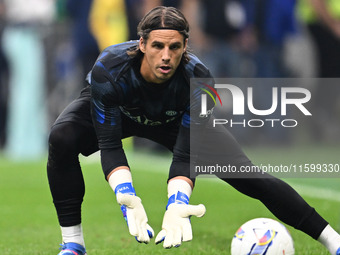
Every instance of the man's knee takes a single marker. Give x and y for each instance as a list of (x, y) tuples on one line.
[(63, 140)]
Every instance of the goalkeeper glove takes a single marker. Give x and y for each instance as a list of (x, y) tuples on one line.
[(131, 206), (176, 225)]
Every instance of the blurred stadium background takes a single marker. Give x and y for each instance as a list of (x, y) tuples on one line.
[(48, 46)]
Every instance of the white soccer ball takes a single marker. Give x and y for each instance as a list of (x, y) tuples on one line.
[(262, 236)]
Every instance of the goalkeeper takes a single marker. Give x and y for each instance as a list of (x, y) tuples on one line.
[(141, 88)]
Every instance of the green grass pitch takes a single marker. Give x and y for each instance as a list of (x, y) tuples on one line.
[(28, 222)]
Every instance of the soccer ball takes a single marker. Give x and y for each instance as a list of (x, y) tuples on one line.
[(262, 236)]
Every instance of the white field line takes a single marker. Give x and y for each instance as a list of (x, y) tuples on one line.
[(307, 191), (303, 189), (317, 192)]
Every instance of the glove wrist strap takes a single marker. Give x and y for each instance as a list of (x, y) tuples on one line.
[(121, 177), (179, 198), (179, 192), (125, 188)]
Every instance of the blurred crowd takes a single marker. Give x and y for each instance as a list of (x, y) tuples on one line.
[(48, 46)]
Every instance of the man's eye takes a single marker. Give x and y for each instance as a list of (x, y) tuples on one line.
[(158, 46), (174, 47)]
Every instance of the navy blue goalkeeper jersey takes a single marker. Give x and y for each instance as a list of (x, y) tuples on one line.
[(118, 89)]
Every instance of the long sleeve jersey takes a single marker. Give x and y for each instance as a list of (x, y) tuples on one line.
[(119, 89)]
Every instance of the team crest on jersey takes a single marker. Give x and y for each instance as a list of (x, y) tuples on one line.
[(171, 113)]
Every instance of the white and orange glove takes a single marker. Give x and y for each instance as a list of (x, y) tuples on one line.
[(131, 205), (176, 227)]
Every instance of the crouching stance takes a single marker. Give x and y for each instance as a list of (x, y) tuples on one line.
[(141, 88)]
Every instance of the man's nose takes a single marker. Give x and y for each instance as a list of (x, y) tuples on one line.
[(166, 55)]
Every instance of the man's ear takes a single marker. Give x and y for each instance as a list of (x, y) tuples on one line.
[(142, 45), (185, 44)]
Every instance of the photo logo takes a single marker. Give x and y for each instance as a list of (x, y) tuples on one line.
[(295, 97), (204, 110), (214, 91)]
